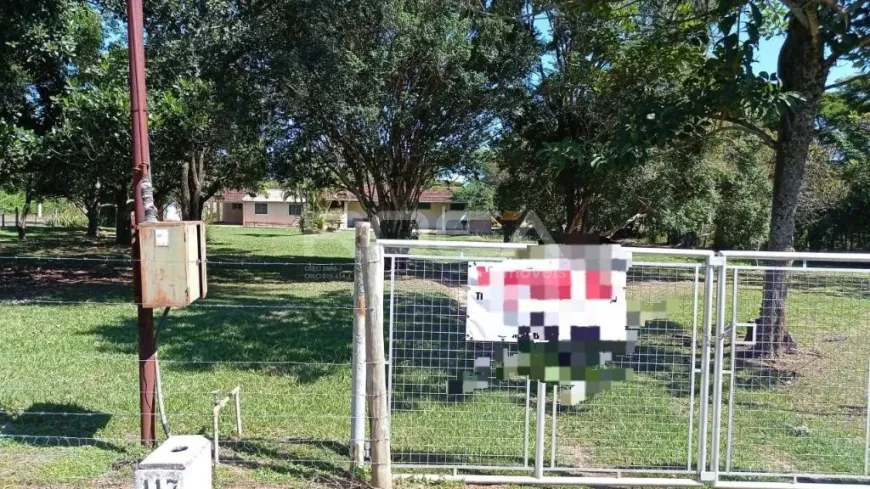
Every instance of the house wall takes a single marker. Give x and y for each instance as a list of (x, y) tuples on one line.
[(278, 215), (230, 216), (354, 212), (438, 217)]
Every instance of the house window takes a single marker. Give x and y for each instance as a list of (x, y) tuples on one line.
[(295, 209), (261, 208), (457, 206), (237, 207), (424, 206)]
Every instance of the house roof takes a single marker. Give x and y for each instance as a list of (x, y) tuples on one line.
[(277, 195)]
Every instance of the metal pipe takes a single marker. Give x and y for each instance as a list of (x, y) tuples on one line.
[(237, 401), (553, 428), (556, 481), (692, 370), (796, 255), (215, 415), (733, 374), (526, 423), (147, 345), (401, 243), (705, 366), (867, 430), (539, 429), (520, 468), (390, 331), (718, 361), (783, 485)]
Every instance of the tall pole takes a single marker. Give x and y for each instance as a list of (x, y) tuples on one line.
[(141, 169)]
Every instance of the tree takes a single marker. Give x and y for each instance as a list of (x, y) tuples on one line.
[(41, 45), (209, 148), (206, 119), (385, 96), (89, 148), (606, 95), (818, 34)]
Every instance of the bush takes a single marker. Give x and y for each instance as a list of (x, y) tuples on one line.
[(67, 217)]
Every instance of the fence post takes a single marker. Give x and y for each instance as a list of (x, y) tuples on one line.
[(16, 218), (358, 353), (376, 382)]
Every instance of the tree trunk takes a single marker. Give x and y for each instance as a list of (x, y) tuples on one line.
[(192, 180), (122, 219), (93, 213), (802, 70), (22, 221)]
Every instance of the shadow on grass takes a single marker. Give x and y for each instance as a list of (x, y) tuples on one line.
[(305, 338), (304, 458), (56, 425)]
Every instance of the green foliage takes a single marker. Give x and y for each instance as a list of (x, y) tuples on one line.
[(478, 195), (386, 96), (743, 215)]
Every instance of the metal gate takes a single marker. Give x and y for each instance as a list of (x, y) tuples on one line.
[(695, 413)]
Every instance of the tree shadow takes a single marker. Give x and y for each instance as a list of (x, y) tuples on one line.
[(305, 338), (56, 425)]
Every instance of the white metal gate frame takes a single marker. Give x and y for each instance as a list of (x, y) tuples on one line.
[(709, 468)]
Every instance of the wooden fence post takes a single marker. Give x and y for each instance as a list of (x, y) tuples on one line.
[(376, 378), (358, 353), (16, 218)]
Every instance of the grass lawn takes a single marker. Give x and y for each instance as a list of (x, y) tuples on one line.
[(277, 322)]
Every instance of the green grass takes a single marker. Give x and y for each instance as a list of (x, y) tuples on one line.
[(280, 328)]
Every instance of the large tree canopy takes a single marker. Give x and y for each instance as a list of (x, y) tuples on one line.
[(385, 96)]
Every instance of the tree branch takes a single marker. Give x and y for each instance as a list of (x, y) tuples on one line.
[(797, 12), (848, 80), (741, 125)]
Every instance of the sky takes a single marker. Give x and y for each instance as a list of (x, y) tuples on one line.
[(768, 52)]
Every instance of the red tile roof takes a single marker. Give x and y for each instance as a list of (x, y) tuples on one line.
[(233, 195)]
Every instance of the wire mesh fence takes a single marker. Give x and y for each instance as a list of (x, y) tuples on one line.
[(797, 393), (280, 329), (69, 387)]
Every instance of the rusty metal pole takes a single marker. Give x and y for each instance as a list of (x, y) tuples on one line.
[(141, 169)]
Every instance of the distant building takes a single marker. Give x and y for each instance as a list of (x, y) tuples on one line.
[(436, 211)]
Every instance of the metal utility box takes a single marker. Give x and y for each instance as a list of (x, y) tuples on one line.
[(172, 263)]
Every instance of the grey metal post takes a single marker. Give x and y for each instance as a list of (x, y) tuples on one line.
[(553, 428), (540, 422), (705, 365), (526, 423), (358, 352), (693, 373), (718, 361), (734, 318), (867, 433)]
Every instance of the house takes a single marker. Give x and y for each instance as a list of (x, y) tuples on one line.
[(436, 211)]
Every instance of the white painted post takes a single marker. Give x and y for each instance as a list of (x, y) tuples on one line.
[(376, 381), (344, 216), (443, 218), (358, 352), (39, 211)]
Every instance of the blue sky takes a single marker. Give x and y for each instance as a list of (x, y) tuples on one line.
[(768, 51)]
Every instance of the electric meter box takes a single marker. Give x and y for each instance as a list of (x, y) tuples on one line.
[(172, 263)]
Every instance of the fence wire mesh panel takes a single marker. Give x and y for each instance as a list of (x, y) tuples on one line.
[(277, 327), (797, 353), (429, 426), (648, 423)]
